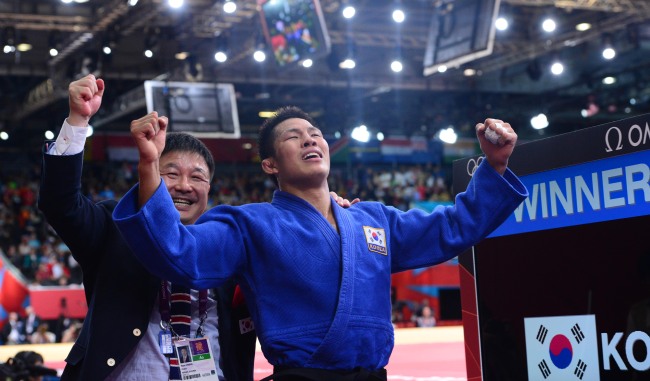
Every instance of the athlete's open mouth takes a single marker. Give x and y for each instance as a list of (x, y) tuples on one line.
[(312, 155)]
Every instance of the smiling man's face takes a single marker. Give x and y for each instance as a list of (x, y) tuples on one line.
[(187, 179)]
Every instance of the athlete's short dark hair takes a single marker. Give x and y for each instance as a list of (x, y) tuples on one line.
[(266, 136), (184, 142)]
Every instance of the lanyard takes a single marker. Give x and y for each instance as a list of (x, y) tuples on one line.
[(165, 300), (164, 308)]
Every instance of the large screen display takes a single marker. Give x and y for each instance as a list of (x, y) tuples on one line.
[(294, 29), (461, 31), (206, 110)]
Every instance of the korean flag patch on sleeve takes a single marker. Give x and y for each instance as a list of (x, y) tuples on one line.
[(376, 239)]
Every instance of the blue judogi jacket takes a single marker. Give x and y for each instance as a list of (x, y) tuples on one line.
[(318, 299)]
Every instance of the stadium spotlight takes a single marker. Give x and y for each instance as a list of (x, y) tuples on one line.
[(229, 6)]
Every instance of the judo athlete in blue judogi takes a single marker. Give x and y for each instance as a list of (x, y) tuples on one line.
[(316, 276)]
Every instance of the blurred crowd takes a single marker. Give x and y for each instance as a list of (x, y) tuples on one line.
[(398, 186), (30, 329)]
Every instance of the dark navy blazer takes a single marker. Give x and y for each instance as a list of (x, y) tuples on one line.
[(119, 291)]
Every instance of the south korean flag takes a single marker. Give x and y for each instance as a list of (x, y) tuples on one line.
[(376, 239), (562, 348)]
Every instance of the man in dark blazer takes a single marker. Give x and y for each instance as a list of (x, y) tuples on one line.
[(119, 333)]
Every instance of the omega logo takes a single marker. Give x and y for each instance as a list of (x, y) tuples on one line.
[(473, 164), (636, 135)]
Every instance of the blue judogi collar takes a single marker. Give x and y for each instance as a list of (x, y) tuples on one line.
[(337, 332)]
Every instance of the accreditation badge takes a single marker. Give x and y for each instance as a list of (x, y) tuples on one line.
[(165, 342), (196, 360)]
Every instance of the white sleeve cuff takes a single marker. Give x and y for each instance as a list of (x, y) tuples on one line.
[(71, 140)]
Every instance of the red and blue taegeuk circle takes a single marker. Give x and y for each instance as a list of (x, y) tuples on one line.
[(561, 351)]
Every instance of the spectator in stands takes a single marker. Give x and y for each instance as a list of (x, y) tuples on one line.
[(59, 270), (13, 331), (62, 323), (63, 281), (24, 246), (12, 254), (44, 274), (43, 335), (426, 319), (397, 316), (32, 321), (419, 308), (313, 250), (11, 197), (71, 333)]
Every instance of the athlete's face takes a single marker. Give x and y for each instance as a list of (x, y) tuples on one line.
[(187, 178), (301, 153)]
